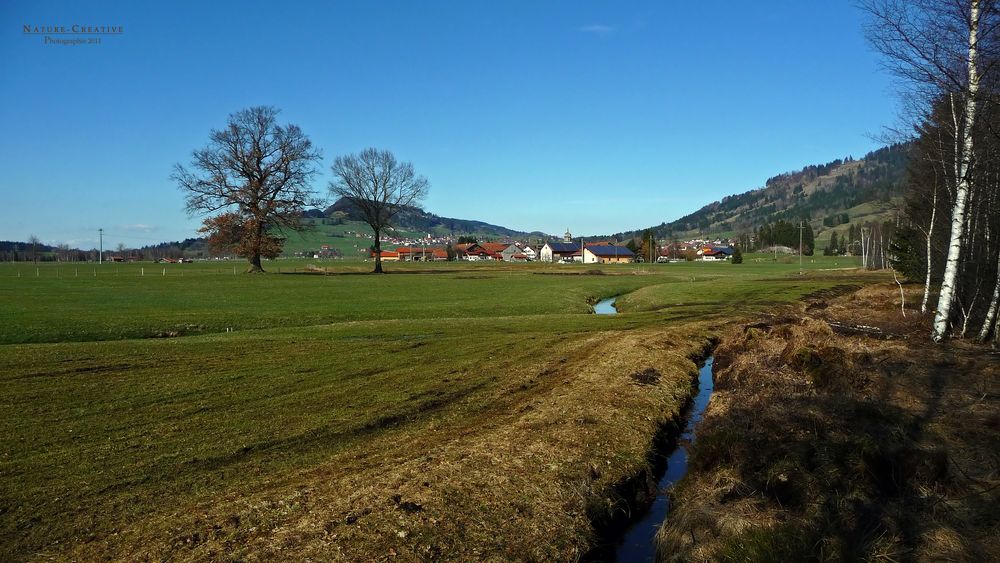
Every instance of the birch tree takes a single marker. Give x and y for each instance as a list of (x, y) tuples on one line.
[(933, 47), (963, 174)]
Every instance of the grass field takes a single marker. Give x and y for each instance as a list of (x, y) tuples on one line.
[(441, 409), (341, 236)]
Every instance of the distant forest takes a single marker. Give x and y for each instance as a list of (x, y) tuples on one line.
[(817, 192)]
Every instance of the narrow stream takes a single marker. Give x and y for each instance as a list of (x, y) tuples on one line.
[(606, 306), (637, 542)]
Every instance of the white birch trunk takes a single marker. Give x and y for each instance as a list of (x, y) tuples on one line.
[(930, 233), (947, 296), (991, 313), (864, 249)]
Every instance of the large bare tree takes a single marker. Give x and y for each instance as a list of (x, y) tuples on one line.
[(255, 173), (379, 186)]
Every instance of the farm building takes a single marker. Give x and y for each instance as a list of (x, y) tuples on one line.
[(388, 256), (472, 251), (494, 249), (714, 253), (607, 254), (555, 251), (513, 253), (421, 253)]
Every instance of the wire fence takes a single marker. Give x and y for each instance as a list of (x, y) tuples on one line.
[(30, 271)]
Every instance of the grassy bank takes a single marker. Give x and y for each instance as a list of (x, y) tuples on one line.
[(827, 442)]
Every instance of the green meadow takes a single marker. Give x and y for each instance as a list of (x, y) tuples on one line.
[(140, 396)]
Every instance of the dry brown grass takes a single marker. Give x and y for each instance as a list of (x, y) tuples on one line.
[(523, 480), (831, 444)]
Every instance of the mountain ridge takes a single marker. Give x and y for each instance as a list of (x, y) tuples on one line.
[(417, 219), (819, 193)]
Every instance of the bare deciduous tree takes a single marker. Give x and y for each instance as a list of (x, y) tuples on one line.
[(34, 242), (257, 173), (379, 186)]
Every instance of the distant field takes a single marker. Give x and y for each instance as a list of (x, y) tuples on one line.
[(116, 301), (294, 434), (342, 236)]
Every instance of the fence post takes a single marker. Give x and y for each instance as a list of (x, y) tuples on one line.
[(142, 271), (164, 272)]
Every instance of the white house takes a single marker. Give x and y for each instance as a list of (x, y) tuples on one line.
[(556, 251), (607, 254)]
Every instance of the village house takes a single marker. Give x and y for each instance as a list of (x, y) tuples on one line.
[(715, 253), (467, 251), (604, 253), (494, 250), (472, 252), (556, 251), (513, 253)]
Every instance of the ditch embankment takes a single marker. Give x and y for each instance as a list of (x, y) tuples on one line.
[(838, 431), (630, 536)]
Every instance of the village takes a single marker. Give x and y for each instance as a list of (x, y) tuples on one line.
[(565, 252)]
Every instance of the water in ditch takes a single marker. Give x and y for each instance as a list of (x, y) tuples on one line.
[(606, 306), (637, 542)]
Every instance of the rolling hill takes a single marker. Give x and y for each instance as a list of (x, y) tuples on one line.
[(865, 189), (340, 226), (417, 220)]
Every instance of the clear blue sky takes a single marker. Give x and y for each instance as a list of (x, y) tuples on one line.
[(597, 116)]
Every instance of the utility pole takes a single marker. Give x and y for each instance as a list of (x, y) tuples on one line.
[(100, 252), (801, 228)]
